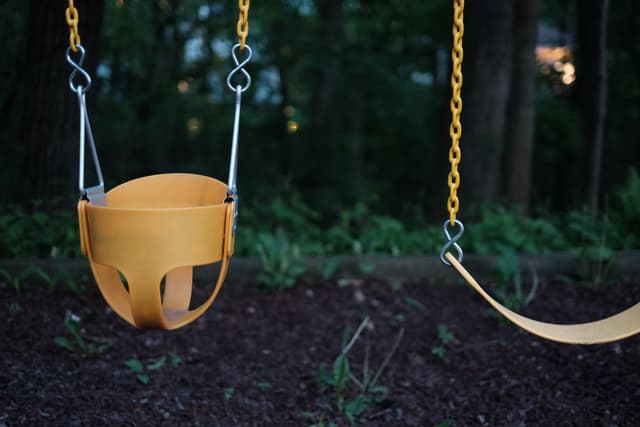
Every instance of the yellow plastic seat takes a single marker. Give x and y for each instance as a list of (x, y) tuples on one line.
[(159, 226), (152, 227)]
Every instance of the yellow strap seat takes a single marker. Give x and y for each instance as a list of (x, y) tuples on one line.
[(616, 327), (152, 227)]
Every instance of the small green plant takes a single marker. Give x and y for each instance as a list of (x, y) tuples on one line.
[(412, 302), (331, 267), (32, 271), (366, 268), (228, 393), (174, 359), (365, 389), (140, 370), (75, 341), (44, 234), (317, 419), (282, 262), (509, 273), (397, 285), (8, 278), (445, 338), (69, 283), (626, 210), (595, 256), (262, 385)]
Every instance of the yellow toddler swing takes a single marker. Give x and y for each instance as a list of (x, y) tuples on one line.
[(160, 225), (616, 327)]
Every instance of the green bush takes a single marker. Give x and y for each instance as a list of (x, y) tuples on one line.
[(626, 210), (288, 224), (39, 234), (282, 262)]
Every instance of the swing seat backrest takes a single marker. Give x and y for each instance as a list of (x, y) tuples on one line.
[(154, 227)]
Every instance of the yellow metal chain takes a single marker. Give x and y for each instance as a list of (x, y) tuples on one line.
[(455, 129), (243, 22), (71, 14)]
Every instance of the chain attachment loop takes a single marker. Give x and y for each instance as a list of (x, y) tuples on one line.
[(77, 68), (452, 241), (239, 69)]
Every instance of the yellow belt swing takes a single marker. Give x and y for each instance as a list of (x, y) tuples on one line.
[(160, 225), (619, 326)]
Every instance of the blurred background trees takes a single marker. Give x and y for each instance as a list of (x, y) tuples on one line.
[(349, 102)]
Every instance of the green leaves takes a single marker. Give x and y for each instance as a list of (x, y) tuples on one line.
[(75, 341), (63, 342), (340, 378), (39, 234), (353, 396), (444, 339), (282, 262), (228, 393), (357, 407), (509, 287), (140, 370)]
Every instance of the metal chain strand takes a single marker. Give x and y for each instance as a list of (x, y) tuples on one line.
[(455, 129), (455, 132), (72, 16), (243, 22)]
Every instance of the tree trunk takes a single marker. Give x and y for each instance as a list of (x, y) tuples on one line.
[(327, 129), (592, 79), (46, 111), (487, 69), (332, 35), (519, 134)]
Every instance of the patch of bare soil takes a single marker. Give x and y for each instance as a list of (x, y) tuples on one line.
[(254, 359)]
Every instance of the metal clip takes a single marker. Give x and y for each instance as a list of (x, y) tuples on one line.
[(232, 192), (452, 241), (95, 194), (77, 68)]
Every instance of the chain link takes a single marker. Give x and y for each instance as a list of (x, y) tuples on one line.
[(455, 129), (71, 14), (243, 22)]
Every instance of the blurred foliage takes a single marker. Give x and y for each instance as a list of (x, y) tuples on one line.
[(38, 234), (354, 176), (287, 229)]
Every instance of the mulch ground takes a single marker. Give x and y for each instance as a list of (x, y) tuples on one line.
[(254, 359)]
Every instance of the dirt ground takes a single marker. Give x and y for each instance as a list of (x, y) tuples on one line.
[(254, 359)]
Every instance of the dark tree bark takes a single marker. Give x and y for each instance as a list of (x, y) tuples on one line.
[(487, 70), (332, 36), (45, 110), (592, 80), (519, 133), (327, 131)]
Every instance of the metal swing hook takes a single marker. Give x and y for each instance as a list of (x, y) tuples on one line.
[(77, 68), (452, 241), (238, 89), (95, 194)]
